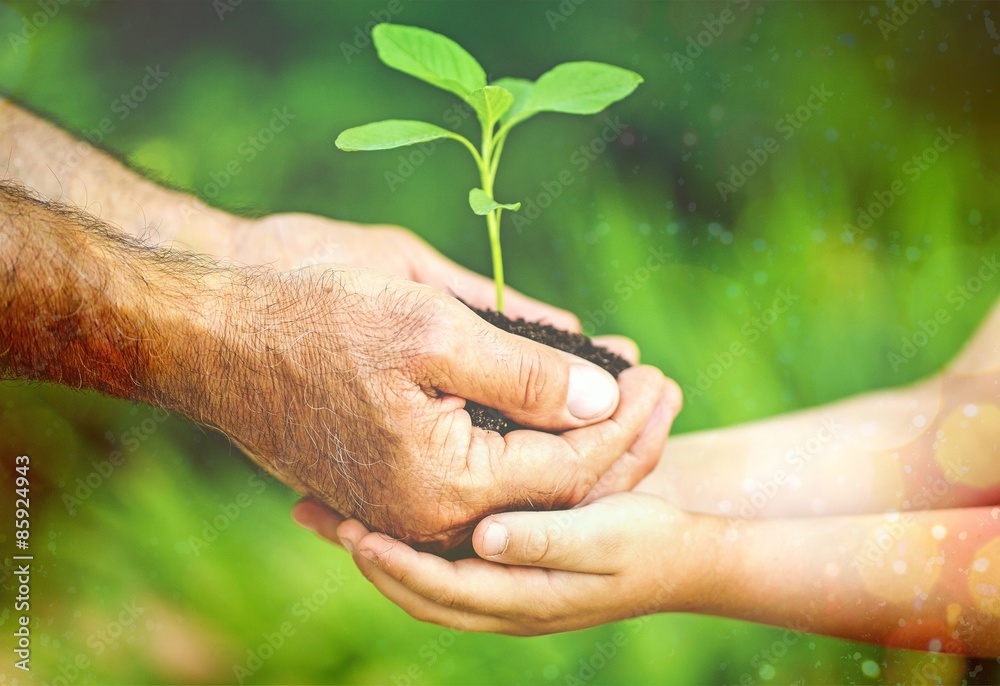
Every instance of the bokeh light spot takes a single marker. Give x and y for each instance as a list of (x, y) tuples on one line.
[(968, 445), (984, 578), (900, 562)]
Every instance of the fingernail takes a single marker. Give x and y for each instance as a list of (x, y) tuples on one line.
[(592, 391), (348, 545), (369, 555), (495, 540)]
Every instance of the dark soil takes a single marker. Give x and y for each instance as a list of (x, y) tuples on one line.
[(575, 343)]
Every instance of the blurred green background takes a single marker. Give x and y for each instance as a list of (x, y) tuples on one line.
[(182, 565)]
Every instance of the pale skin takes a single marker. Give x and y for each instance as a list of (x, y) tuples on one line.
[(334, 354), (874, 519)]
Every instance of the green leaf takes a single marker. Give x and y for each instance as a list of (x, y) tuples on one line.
[(391, 133), (519, 88), (579, 88), (429, 57), (482, 203), (490, 103)]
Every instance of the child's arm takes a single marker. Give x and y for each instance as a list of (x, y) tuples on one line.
[(927, 580), (931, 445)]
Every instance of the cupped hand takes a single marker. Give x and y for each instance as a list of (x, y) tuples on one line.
[(625, 555), (291, 241), (350, 386)]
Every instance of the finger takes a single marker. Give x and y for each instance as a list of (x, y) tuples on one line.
[(314, 516), (643, 456), (488, 596), (400, 573), (621, 346), (530, 469), (531, 383), (585, 539), (481, 293)]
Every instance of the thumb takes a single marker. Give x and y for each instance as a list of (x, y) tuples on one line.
[(531, 383), (575, 540)]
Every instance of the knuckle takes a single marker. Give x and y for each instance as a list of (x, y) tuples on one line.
[(536, 545), (573, 485), (583, 487), (434, 343), (539, 616), (368, 571), (532, 379), (445, 598), (403, 240), (674, 389)]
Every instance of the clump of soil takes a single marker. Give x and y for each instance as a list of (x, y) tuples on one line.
[(575, 343)]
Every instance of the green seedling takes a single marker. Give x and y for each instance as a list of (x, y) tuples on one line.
[(573, 88)]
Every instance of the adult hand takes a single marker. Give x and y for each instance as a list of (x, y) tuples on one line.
[(350, 385), (296, 240)]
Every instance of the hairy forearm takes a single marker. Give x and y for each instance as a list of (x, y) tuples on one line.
[(79, 300), (89, 307), (923, 580), (61, 168)]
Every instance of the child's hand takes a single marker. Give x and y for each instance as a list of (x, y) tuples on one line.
[(625, 555)]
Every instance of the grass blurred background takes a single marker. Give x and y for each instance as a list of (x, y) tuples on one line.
[(181, 564)]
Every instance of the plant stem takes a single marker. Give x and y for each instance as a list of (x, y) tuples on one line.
[(493, 225), (498, 142), (487, 173)]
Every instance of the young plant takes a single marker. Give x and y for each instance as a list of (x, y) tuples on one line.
[(573, 88)]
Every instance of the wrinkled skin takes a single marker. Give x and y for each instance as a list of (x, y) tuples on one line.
[(345, 384)]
